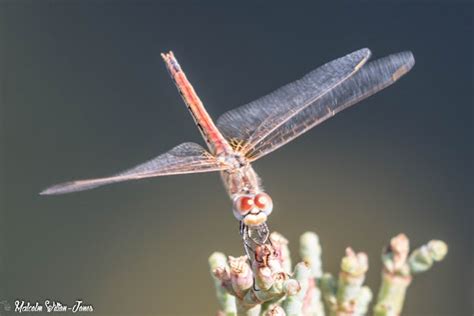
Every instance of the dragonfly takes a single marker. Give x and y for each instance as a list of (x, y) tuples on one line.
[(247, 133)]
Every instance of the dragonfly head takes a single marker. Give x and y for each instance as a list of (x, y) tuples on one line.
[(252, 209)]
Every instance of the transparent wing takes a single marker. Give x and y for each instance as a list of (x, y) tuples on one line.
[(371, 78), (254, 121), (184, 158)]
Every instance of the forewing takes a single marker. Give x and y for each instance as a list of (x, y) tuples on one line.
[(184, 158), (253, 121), (373, 77)]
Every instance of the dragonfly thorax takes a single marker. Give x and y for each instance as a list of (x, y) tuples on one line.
[(234, 161)]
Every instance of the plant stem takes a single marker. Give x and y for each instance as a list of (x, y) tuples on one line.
[(398, 271), (349, 287), (226, 301), (310, 252), (293, 304)]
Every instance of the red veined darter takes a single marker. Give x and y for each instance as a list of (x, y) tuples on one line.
[(247, 133)]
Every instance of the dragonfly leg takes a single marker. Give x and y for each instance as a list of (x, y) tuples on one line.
[(253, 236), (254, 285), (262, 232), (241, 228), (248, 248), (244, 232)]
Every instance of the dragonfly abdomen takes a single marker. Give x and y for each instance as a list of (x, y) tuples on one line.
[(213, 137)]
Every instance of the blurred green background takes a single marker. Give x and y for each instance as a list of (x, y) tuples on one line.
[(84, 93)]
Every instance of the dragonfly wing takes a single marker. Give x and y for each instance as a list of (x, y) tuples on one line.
[(256, 119), (184, 158), (371, 78)]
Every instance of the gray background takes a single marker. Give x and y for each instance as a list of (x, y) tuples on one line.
[(84, 93)]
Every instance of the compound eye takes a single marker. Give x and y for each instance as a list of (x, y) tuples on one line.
[(243, 204), (264, 202)]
